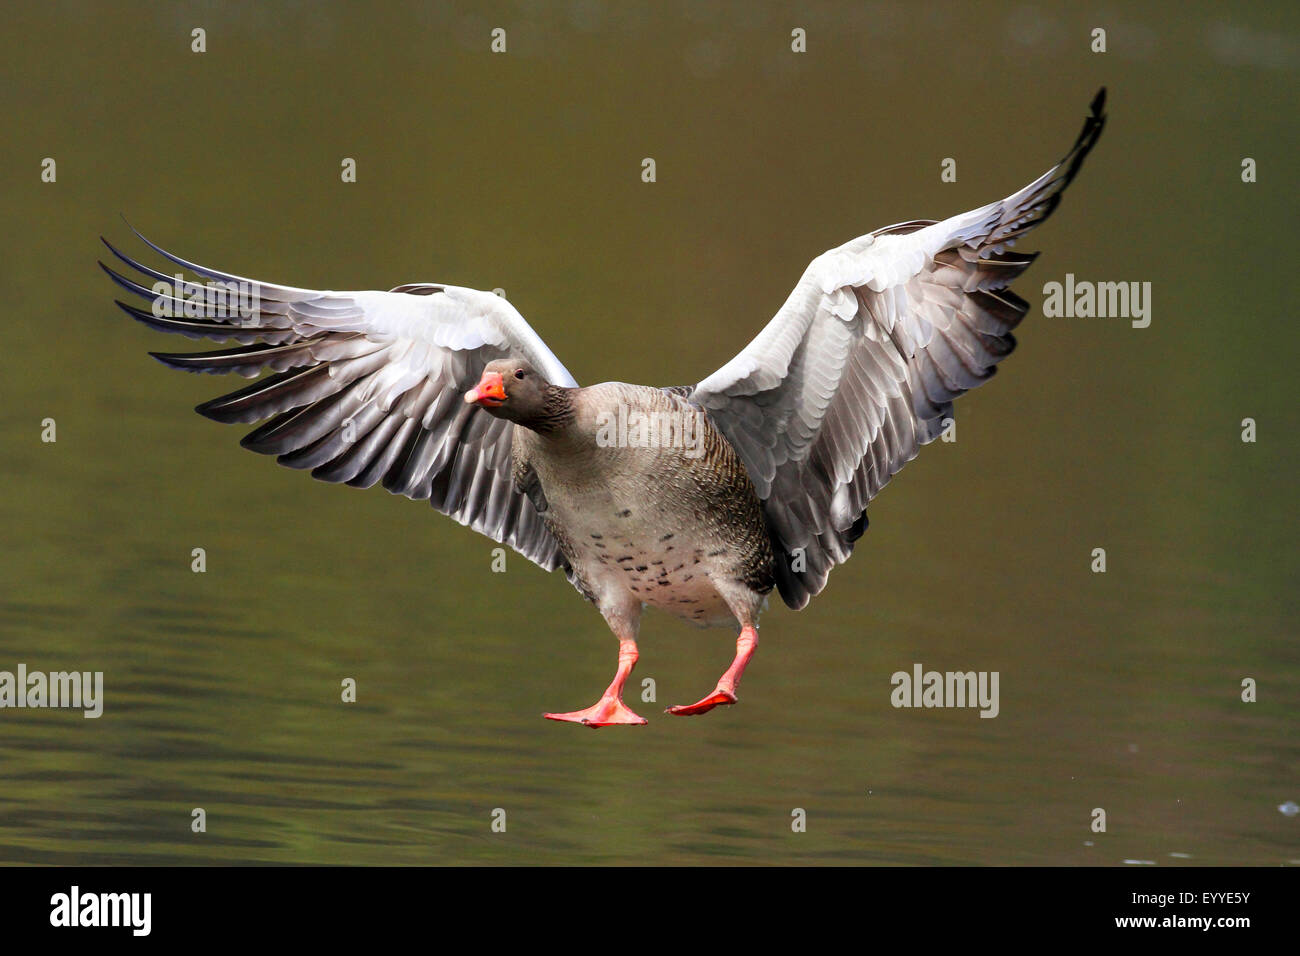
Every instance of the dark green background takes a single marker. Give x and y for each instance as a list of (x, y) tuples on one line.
[(522, 171)]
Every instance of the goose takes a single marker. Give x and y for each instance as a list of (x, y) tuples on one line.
[(696, 500)]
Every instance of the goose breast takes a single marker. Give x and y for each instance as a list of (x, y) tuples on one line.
[(649, 500)]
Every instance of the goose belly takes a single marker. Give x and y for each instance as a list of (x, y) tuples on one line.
[(653, 550)]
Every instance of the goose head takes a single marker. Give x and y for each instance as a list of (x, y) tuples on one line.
[(512, 389)]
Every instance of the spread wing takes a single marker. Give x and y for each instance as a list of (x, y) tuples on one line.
[(365, 387), (859, 368)]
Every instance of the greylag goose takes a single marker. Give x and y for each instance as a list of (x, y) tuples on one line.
[(697, 500)]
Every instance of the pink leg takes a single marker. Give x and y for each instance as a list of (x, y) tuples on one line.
[(610, 709), (725, 692)]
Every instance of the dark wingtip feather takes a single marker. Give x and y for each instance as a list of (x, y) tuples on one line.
[(183, 263), (130, 285), (140, 315), (193, 329), (1090, 133), (167, 359), (245, 359), (216, 410), (192, 361), (1099, 103)]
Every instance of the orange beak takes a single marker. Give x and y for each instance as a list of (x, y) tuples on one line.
[(489, 392)]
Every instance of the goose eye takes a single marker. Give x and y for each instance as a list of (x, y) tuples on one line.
[(519, 373)]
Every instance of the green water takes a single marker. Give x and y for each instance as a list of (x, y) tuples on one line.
[(1119, 691)]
